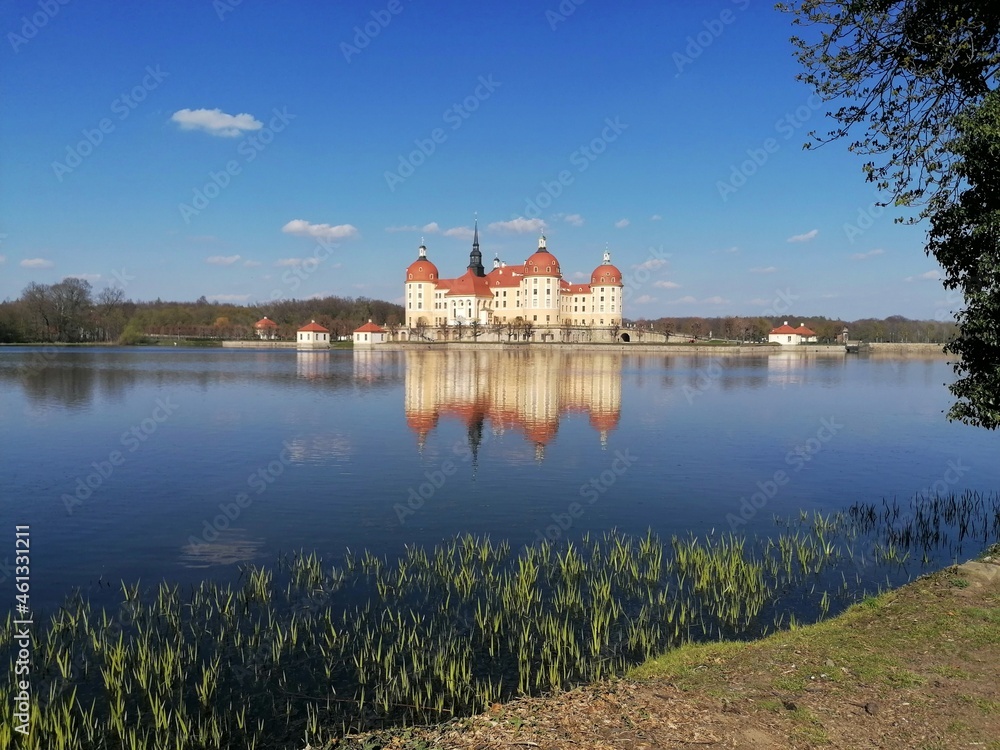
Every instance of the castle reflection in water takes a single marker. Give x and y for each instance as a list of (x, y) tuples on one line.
[(520, 391)]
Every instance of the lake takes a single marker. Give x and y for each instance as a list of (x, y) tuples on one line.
[(177, 464)]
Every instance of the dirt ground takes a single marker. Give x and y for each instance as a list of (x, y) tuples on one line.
[(913, 668)]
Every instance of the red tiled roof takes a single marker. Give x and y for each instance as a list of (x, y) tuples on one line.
[(606, 274), (370, 327), (542, 263), (265, 323), (801, 330), (503, 277), (421, 270), (314, 327), (469, 285)]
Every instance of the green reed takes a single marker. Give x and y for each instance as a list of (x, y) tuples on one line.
[(305, 651)]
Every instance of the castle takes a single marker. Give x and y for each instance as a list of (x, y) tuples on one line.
[(532, 296)]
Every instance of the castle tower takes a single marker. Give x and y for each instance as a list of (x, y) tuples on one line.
[(421, 278)]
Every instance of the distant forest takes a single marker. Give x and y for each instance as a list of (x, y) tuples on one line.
[(895, 328), (70, 312)]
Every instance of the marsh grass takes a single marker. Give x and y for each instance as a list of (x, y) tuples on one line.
[(305, 651)]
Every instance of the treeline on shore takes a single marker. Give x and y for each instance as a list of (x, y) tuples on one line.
[(70, 312), (895, 328)]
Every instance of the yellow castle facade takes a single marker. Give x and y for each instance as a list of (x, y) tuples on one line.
[(533, 295), (520, 392)]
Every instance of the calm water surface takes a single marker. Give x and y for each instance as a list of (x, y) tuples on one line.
[(177, 464)]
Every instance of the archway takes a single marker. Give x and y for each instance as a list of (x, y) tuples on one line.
[(626, 338)]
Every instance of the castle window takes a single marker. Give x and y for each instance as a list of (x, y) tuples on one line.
[(411, 275), (548, 269), (602, 299)]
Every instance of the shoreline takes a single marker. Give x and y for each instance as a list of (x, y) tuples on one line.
[(912, 667), (753, 350)]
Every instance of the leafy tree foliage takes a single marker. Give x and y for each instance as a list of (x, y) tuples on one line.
[(902, 72), (918, 79), (965, 238)]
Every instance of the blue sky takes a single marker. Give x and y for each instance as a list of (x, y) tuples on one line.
[(250, 150)]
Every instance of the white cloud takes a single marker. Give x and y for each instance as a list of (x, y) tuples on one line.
[(622, 223), (520, 225), (289, 262), (251, 263), (656, 217), (580, 275), (869, 254), (689, 300), (652, 263), (644, 300), (303, 228), (667, 284), (36, 263), (3, 259), (431, 228), (811, 234), (763, 301), (222, 260), (216, 122), (228, 297), (927, 276), (575, 219), (463, 233), (733, 249), (763, 269)]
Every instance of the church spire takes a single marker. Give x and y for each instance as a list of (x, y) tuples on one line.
[(476, 257)]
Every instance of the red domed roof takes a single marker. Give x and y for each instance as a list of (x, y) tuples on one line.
[(607, 275), (542, 263), (422, 270), (265, 322)]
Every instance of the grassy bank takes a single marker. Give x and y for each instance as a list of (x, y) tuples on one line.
[(915, 667), (308, 652)]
